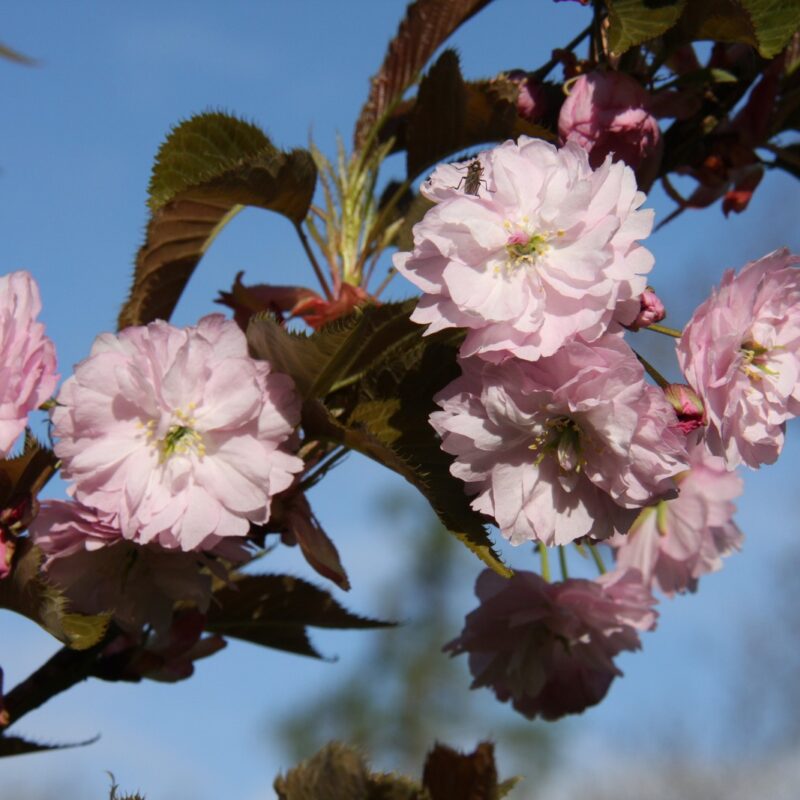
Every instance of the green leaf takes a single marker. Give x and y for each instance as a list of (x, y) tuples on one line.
[(275, 610), (632, 22), (17, 746), (26, 592), (426, 25), (209, 168), (765, 24), (775, 22)]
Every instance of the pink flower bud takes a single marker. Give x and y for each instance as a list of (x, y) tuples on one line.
[(688, 406), (650, 312), (531, 99), (609, 112)]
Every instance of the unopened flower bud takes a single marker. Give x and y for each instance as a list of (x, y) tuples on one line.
[(6, 552), (651, 311), (688, 406), (531, 98)]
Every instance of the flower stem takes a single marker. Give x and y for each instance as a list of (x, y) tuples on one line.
[(310, 253), (598, 560), (385, 282), (545, 561), (562, 562), (674, 332), (652, 372)]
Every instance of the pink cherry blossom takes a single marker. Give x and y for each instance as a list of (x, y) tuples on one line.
[(568, 446), (100, 571), (675, 542), (741, 353), (547, 249), (609, 113), (177, 433), (27, 357), (548, 648)]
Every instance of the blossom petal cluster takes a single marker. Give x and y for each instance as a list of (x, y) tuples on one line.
[(27, 356), (544, 249), (177, 433), (608, 113), (675, 542), (100, 572), (548, 648), (569, 446), (741, 353)]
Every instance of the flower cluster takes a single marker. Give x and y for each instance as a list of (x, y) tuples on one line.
[(174, 441), (555, 432)]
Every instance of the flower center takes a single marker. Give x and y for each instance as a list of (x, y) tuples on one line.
[(180, 439), (562, 437), (755, 360), (524, 246)]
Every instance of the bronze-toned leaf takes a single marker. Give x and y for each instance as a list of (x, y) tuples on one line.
[(436, 121), (24, 475), (17, 746), (449, 774), (208, 168), (426, 25), (275, 610)]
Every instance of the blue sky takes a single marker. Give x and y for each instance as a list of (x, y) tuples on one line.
[(80, 133)]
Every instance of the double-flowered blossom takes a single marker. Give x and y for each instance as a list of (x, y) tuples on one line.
[(27, 356), (675, 542), (548, 648), (741, 354), (544, 248), (608, 113), (571, 445), (177, 433), (100, 572)]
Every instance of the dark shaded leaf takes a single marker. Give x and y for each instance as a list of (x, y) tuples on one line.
[(337, 354), (208, 168), (26, 592), (436, 121), (774, 21), (386, 419), (274, 611), (17, 746), (632, 22), (449, 774), (417, 210), (788, 158), (426, 25), (26, 474), (489, 115), (15, 56)]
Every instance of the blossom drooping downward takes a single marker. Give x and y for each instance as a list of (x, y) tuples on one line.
[(177, 433), (569, 446), (548, 648), (27, 357), (741, 353), (675, 542), (546, 249)]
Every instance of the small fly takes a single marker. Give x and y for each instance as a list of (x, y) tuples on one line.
[(473, 179)]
